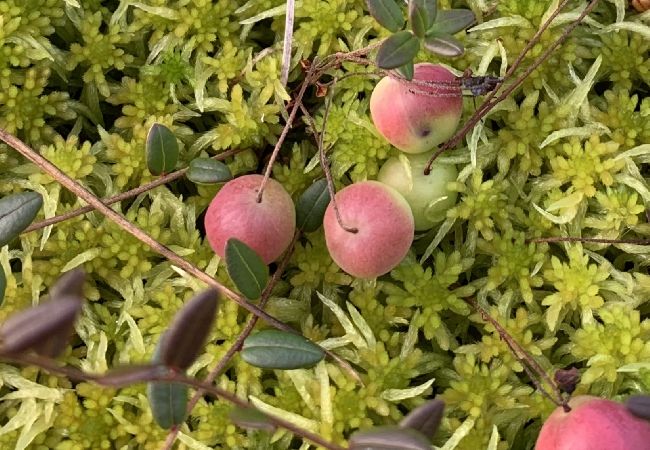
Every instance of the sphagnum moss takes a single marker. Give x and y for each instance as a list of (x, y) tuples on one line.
[(191, 65)]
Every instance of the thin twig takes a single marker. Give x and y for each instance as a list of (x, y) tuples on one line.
[(122, 196), (531, 366), (588, 239), (486, 106), (166, 376)]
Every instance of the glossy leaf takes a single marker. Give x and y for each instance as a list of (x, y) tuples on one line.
[(387, 13), (168, 403), (184, 339), (275, 349), (250, 418), (311, 206), (452, 21), (389, 438), (17, 211), (639, 405), (33, 327), (443, 44), (422, 15), (246, 269), (425, 418), (208, 171), (162, 150), (407, 70), (397, 50), (3, 284)]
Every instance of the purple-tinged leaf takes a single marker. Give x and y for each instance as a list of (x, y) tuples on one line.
[(639, 405), (389, 438), (425, 418)]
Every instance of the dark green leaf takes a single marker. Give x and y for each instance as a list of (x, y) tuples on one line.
[(386, 13), (17, 211), (451, 21), (168, 403), (3, 284), (208, 171), (185, 337), (422, 15), (162, 150), (311, 206), (246, 269), (70, 284), (250, 418), (397, 50), (389, 438), (275, 349), (425, 418), (639, 405), (443, 44), (407, 71), (34, 327)]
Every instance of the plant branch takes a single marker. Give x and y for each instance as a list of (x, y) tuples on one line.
[(486, 106), (122, 196), (588, 239)]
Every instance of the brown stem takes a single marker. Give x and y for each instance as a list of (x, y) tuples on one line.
[(123, 196), (127, 226), (486, 106), (52, 366), (587, 239), (531, 366)]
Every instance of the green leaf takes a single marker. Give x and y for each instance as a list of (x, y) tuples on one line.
[(250, 418), (17, 211), (422, 14), (208, 171), (246, 269), (168, 403), (185, 337), (443, 44), (389, 438), (162, 149), (451, 21), (386, 13), (311, 206), (33, 327), (407, 71), (425, 418), (397, 50), (3, 284), (275, 349)]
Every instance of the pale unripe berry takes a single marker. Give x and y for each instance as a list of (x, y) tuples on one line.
[(416, 118), (384, 224), (594, 424), (267, 227), (427, 195)]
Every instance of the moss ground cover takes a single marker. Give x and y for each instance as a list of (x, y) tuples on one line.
[(82, 82)]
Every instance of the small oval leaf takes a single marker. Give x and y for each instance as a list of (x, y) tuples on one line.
[(425, 418), (452, 21), (162, 150), (17, 211), (3, 284), (387, 13), (250, 418), (397, 50), (168, 403), (407, 71), (275, 349), (639, 405), (311, 206), (389, 438), (443, 44), (33, 328), (184, 339), (246, 269), (208, 171), (422, 15)]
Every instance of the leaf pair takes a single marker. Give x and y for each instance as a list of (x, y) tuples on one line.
[(429, 28)]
